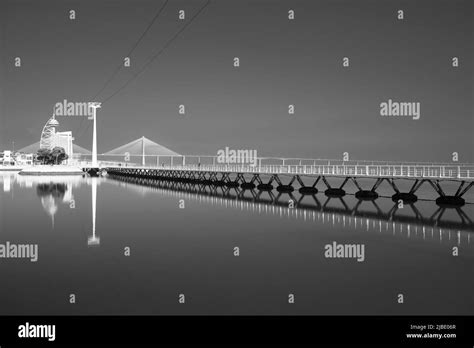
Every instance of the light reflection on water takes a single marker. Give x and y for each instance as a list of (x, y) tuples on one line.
[(89, 221), (318, 208)]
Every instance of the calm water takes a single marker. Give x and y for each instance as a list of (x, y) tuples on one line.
[(190, 251)]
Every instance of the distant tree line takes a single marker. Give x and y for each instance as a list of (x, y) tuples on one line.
[(54, 156)]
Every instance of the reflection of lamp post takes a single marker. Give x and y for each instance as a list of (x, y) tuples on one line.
[(93, 240), (94, 106), (6, 183)]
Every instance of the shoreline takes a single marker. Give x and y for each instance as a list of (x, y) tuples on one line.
[(51, 170)]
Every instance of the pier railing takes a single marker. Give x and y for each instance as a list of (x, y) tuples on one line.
[(311, 167)]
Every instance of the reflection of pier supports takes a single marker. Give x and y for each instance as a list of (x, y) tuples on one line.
[(304, 206), (270, 195), (377, 208), (392, 212), (436, 217), (316, 200), (359, 203), (343, 202), (395, 208), (416, 211), (356, 208), (464, 218), (277, 199), (340, 199)]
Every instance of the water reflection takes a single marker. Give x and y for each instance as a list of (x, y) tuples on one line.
[(94, 240), (52, 190), (347, 213), (409, 248), (7, 183), (50, 193), (56, 190)]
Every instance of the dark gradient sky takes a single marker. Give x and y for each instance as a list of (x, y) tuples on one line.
[(282, 62)]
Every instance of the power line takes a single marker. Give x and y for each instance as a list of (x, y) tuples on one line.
[(168, 43), (132, 49), (158, 53), (117, 69)]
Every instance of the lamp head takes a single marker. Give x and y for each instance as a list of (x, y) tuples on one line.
[(95, 105)]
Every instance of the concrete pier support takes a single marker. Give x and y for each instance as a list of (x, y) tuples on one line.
[(282, 188), (250, 180), (334, 192), (367, 195), (449, 201), (405, 197), (265, 186), (307, 190)]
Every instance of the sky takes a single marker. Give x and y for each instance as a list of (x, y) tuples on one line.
[(282, 62)]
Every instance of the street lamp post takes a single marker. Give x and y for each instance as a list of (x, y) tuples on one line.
[(94, 106)]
